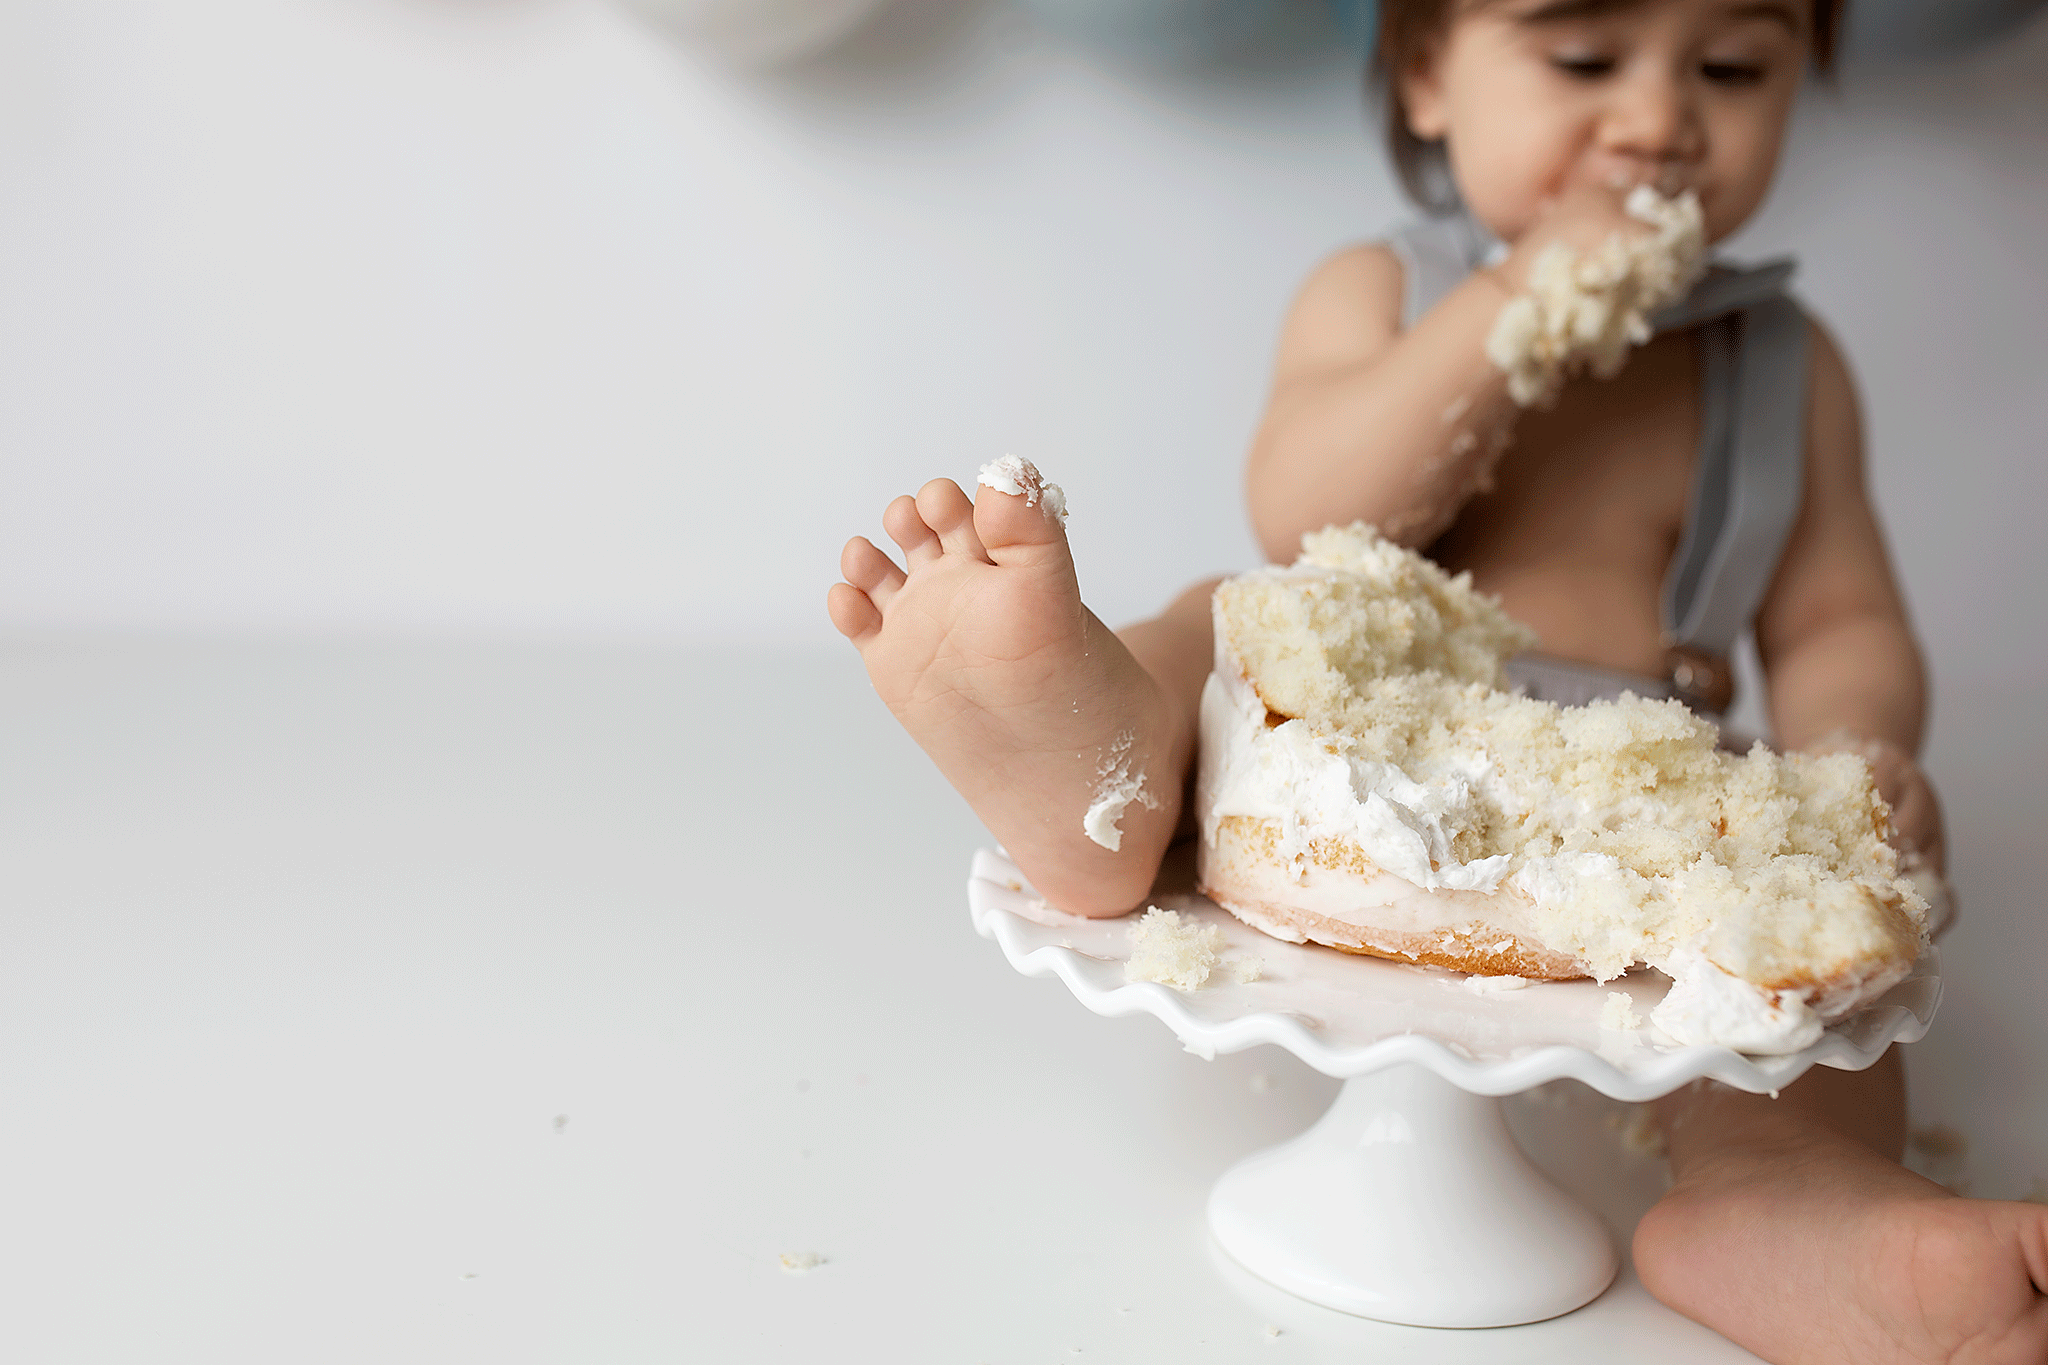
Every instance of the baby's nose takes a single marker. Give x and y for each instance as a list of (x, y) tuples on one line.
[(1652, 118)]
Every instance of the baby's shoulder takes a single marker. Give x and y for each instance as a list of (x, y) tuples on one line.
[(1352, 298), (1360, 273)]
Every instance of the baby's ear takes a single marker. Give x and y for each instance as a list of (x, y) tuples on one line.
[(1422, 93)]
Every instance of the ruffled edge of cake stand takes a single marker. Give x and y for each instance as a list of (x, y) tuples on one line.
[(1902, 1015)]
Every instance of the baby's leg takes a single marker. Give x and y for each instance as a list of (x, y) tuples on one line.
[(1789, 1230), (1072, 745)]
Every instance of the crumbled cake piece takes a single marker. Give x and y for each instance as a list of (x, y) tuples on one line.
[(1582, 312), (1180, 951), (1619, 1013), (1358, 719)]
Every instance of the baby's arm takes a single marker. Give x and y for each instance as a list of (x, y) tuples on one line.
[(1843, 666), (1368, 422)]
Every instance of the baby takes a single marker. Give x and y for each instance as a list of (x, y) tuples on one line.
[(1789, 1227)]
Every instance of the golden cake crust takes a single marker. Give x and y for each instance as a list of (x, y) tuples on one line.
[(1240, 867)]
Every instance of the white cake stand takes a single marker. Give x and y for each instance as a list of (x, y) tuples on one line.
[(1409, 1201)]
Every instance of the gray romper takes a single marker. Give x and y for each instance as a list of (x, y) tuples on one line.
[(1747, 484)]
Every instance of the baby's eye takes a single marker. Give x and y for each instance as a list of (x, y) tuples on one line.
[(1732, 73), (1583, 65)]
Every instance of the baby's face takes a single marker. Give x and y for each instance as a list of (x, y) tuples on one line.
[(1536, 97)]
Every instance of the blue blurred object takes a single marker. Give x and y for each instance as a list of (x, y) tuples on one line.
[(1926, 28), (1360, 21), (1182, 31)]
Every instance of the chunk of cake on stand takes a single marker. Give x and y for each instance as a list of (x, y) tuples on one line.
[(1516, 892)]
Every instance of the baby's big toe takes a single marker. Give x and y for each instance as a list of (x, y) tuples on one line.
[(1016, 506)]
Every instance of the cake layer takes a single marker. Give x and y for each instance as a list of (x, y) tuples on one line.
[(1336, 896)]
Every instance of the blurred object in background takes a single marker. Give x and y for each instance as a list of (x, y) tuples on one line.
[(1931, 28), (758, 33), (765, 33), (1191, 32), (1360, 22)]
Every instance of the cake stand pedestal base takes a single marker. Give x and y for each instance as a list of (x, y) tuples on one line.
[(1410, 1202)]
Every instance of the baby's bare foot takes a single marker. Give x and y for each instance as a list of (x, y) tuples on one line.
[(1824, 1253), (1059, 739)]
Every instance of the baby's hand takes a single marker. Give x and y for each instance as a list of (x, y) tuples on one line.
[(1916, 812), (1581, 218)]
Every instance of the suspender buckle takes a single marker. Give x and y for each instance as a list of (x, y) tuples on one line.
[(1703, 681)]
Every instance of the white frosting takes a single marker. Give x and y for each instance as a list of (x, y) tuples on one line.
[(1018, 477), (1290, 773), (1584, 311), (1117, 785), (1708, 1006), (1495, 985)]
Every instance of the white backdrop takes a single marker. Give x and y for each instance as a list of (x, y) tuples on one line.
[(508, 317)]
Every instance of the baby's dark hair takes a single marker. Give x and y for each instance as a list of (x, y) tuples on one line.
[(1406, 30)]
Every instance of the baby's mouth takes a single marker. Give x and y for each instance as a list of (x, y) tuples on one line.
[(1669, 181)]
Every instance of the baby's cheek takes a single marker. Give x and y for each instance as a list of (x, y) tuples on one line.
[(1744, 159), (1511, 172)]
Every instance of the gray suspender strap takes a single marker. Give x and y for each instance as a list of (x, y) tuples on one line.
[(1571, 683), (1752, 456), (1436, 256), (1750, 474), (1724, 289)]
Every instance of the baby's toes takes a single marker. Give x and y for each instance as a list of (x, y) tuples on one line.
[(854, 614), (948, 512), (872, 578), (1017, 508), (906, 526), (868, 569)]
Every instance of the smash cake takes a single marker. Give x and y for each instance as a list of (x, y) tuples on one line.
[(1368, 782)]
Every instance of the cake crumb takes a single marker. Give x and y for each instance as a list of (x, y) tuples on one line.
[(1618, 1013), (1271, 1331), (1173, 950), (799, 1262), (1261, 1082), (1494, 985)]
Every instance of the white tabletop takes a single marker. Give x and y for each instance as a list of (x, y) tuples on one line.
[(509, 1005)]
